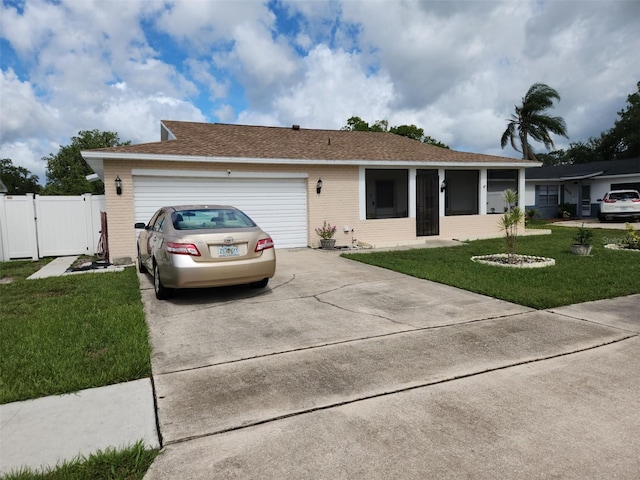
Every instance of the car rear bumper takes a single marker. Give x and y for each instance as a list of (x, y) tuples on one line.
[(620, 215), (183, 272)]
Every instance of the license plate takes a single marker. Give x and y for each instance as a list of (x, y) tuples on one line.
[(228, 251)]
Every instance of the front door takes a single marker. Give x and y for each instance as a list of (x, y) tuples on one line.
[(427, 203), (586, 201)]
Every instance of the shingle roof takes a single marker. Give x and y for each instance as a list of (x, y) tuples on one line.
[(242, 141), (604, 168)]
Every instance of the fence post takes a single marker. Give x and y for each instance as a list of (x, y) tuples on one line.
[(4, 237), (88, 223), (32, 226)]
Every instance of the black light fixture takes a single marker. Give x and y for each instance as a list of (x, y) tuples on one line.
[(118, 185), (319, 186), (443, 185)]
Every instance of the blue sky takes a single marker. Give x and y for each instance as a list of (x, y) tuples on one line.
[(454, 68)]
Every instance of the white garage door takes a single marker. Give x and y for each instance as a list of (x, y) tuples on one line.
[(278, 205)]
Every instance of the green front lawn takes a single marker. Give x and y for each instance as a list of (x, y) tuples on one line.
[(64, 334), (574, 279)]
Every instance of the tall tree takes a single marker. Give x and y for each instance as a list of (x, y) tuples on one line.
[(356, 124), (18, 180), (531, 121), (67, 170), (623, 140), (411, 131)]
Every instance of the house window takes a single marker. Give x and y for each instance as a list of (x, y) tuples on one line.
[(498, 181), (387, 193), (547, 195), (461, 193), (625, 186)]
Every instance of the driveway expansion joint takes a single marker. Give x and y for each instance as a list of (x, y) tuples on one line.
[(342, 342), (454, 378)]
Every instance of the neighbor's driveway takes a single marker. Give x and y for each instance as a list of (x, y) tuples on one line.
[(343, 370)]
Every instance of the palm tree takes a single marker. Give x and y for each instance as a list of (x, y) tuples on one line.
[(531, 121)]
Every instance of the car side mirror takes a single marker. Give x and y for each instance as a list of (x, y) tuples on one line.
[(139, 225)]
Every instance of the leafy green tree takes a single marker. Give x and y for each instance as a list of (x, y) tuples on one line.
[(411, 131), (556, 157), (623, 140), (67, 170), (583, 152), (530, 121), (356, 124), (18, 180)]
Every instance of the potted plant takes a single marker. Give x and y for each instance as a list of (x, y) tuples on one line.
[(326, 233), (583, 241)]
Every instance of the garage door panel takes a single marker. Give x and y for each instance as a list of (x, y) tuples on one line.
[(279, 206)]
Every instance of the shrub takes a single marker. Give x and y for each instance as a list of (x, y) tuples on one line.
[(631, 238)]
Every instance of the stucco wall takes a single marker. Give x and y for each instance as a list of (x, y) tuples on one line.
[(338, 204)]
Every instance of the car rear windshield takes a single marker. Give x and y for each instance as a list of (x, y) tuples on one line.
[(209, 219), (623, 195)]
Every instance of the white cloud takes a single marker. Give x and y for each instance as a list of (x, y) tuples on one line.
[(334, 88), (454, 68)]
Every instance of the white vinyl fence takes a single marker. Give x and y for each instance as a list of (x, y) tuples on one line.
[(36, 226)]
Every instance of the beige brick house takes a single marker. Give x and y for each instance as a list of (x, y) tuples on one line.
[(380, 189)]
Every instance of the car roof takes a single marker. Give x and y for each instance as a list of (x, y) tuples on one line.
[(200, 207)]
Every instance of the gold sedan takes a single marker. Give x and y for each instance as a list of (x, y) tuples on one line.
[(199, 246)]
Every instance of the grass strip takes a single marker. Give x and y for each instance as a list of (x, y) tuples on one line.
[(69, 333), (574, 279), (127, 464)]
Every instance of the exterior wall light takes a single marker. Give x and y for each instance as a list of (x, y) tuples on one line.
[(118, 185), (319, 186), (443, 185)]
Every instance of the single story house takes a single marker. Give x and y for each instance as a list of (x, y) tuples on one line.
[(577, 188), (379, 189)]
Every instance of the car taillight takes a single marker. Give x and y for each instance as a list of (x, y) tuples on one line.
[(635, 200), (264, 244), (183, 249), (609, 200)]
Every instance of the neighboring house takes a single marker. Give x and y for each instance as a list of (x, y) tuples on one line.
[(578, 187), (380, 189)]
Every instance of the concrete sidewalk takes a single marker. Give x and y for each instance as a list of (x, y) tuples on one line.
[(47, 431), (59, 266)]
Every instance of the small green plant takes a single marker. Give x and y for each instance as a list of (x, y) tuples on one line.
[(631, 238), (510, 221), (583, 236), (326, 231), (567, 211)]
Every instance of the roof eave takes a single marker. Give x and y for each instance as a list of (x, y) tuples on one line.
[(97, 158)]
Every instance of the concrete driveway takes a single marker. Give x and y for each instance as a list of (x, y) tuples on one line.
[(340, 370)]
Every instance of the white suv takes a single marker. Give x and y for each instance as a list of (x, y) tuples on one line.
[(620, 204)]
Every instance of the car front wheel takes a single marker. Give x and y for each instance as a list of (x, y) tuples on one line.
[(162, 292)]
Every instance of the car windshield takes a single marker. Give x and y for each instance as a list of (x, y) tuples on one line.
[(210, 219), (623, 195)]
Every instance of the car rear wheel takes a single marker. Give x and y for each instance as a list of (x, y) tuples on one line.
[(141, 267), (261, 284), (162, 292)]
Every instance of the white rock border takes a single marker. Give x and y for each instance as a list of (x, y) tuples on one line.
[(537, 262), (615, 246)]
